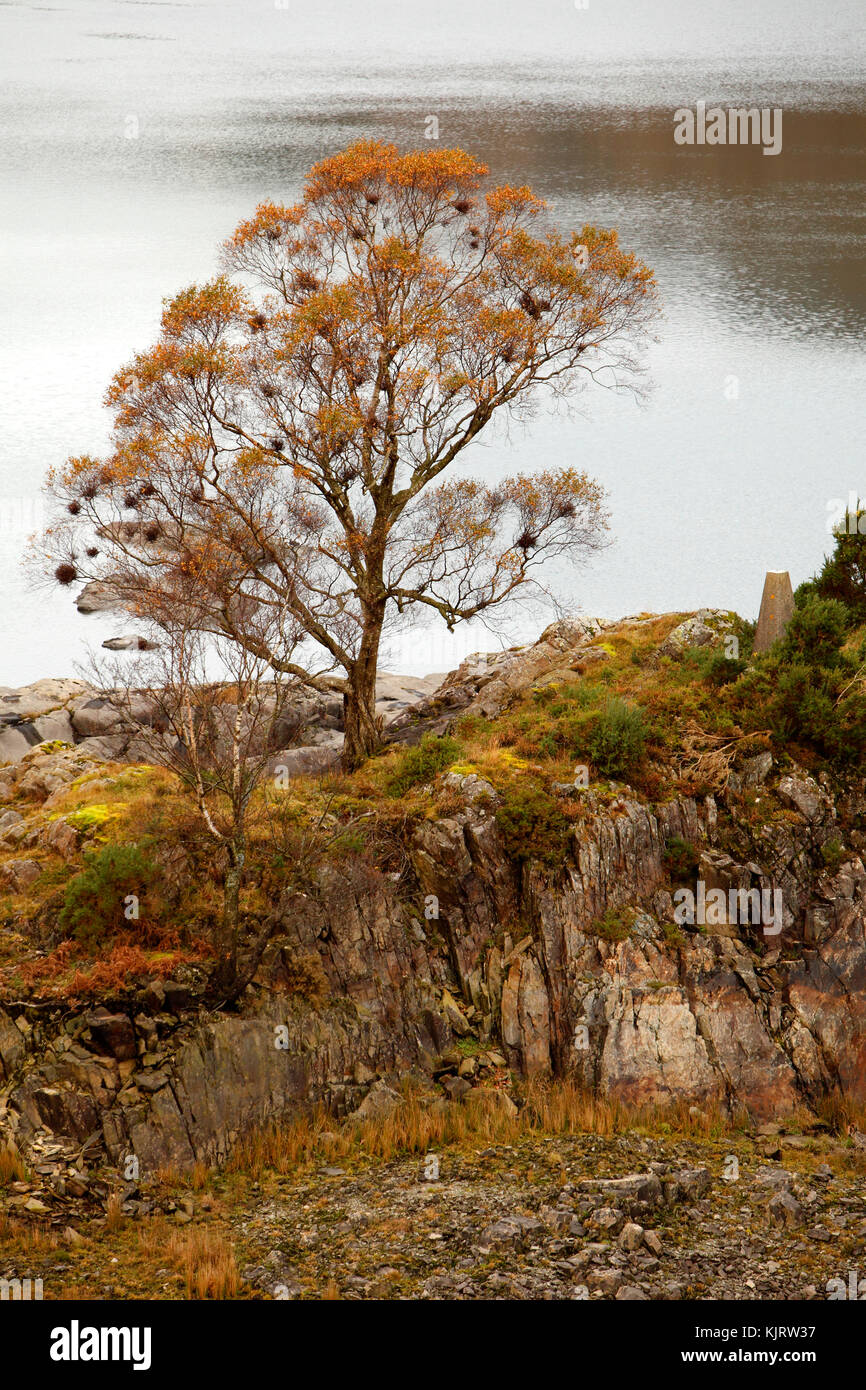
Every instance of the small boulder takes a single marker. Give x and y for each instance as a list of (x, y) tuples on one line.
[(705, 628), (112, 1034), (309, 761), (379, 1102), (129, 642), (511, 1231), (607, 1280), (631, 1236), (22, 874), (804, 795), (62, 837), (755, 771), (653, 1242), (608, 1220), (785, 1210), (7, 820)]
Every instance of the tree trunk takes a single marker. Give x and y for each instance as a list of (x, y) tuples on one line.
[(226, 972), (359, 702)]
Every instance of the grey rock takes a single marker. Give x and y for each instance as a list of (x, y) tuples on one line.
[(784, 1209), (379, 1102), (21, 873), (98, 596), (609, 1281), (803, 794), (704, 629), (511, 1231), (150, 1081), (14, 743), (631, 1236), (755, 771), (609, 1220), (130, 642), (95, 717), (309, 761)]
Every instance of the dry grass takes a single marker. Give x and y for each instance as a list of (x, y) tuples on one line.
[(25, 1238), (168, 1175), (200, 1176), (12, 1166), (842, 1114), (416, 1127), (206, 1261), (114, 1217), (152, 1236)]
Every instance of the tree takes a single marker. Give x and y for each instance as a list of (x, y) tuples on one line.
[(285, 440), (843, 574), (217, 737)]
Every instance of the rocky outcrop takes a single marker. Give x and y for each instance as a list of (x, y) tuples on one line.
[(666, 1013), (578, 971), (702, 629), (583, 967), (485, 681), (51, 712)]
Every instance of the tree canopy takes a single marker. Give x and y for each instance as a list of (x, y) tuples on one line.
[(279, 468)]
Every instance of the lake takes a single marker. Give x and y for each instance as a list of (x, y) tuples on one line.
[(136, 135)]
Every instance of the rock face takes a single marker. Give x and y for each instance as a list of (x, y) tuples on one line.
[(579, 970), (355, 989)]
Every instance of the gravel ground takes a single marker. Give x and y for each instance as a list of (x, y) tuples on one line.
[(535, 1220)]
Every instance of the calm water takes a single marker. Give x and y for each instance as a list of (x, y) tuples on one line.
[(135, 135)]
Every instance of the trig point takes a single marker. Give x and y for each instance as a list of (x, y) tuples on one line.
[(777, 608)]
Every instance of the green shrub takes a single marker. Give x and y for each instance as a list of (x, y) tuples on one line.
[(803, 708), (614, 925), (93, 902), (618, 738), (532, 826), (547, 745), (745, 632), (843, 574), (721, 669), (807, 690), (816, 632), (421, 763), (833, 854), (680, 859)]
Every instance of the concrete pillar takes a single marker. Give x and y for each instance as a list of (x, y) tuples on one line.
[(777, 608)]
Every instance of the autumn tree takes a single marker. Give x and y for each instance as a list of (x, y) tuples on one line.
[(287, 439)]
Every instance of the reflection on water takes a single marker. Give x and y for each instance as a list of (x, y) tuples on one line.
[(136, 134)]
